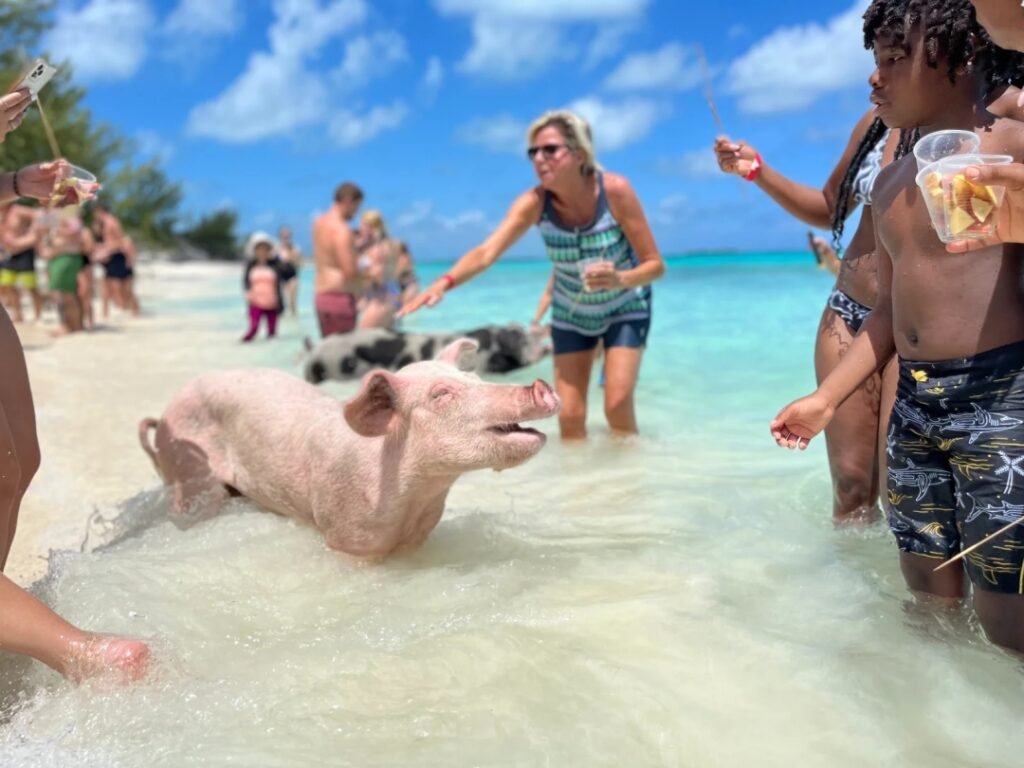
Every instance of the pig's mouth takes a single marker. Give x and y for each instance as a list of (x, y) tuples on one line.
[(513, 429)]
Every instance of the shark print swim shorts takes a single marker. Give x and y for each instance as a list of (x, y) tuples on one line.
[(956, 463)]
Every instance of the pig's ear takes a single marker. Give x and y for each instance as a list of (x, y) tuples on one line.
[(461, 353), (373, 409)]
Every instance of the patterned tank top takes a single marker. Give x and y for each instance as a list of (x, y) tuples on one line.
[(573, 308)]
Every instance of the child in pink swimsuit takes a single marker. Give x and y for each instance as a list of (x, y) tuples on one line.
[(262, 285)]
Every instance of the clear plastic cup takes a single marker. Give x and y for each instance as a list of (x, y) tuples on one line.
[(967, 210), (75, 188), (588, 264), (940, 144), (929, 180)]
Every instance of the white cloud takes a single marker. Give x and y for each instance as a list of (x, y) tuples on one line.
[(672, 68), (421, 216), (151, 144), (512, 49), (303, 26), (793, 66), (204, 18), (264, 101), (103, 39), (418, 213), (606, 43), (517, 39), (433, 77), (617, 124), (277, 92), (562, 10), (370, 56), (349, 129), (737, 31), (465, 219), (501, 133), (696, 164)]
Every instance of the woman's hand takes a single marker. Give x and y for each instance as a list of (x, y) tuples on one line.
[(602, 277), (734, 158), (430, 297), (1010, 216), (38, 181), (801, 420), (12, 110)]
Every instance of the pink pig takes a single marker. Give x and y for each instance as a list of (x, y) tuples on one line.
[(375, 481)]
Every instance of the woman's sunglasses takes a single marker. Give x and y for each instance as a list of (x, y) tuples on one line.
[(549, 150)]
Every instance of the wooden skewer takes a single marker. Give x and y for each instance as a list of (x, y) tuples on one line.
[(51, 137), (709, 94), (973, 547)]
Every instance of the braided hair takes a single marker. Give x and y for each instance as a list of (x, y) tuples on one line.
[(951, 32)]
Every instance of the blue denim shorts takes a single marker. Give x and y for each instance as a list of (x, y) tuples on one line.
[(628, 333)]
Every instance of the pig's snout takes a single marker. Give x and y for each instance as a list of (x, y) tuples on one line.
[(545, 397)]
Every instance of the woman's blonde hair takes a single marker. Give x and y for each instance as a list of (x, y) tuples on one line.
[(577, 135), (373, 218)]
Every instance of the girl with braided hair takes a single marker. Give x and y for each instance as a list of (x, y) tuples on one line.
[(852, 437), (956, 322)]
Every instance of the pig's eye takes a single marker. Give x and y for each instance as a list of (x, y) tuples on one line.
[(440, 393)]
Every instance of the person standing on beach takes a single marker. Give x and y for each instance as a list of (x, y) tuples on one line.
[(66, 249), (378, 260), (263, 285), (605, 260), (111, 254), (27, 626), (290, 258), (20, 237), (337, 281)]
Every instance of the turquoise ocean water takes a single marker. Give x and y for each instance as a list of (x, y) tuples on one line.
[(681, 599)]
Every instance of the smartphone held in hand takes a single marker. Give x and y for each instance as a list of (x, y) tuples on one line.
[(35, 76)]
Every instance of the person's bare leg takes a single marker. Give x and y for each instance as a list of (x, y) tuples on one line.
[(19, 444), (851, 438), (919, 572), (572, 381), (293, 295), (85, 299), (15, 295), (37, 303), (1002, 617), (74, 311), (621, 368), (133, 299), (108, 296)]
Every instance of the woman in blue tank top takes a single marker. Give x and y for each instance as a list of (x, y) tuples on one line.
[(604, 259)]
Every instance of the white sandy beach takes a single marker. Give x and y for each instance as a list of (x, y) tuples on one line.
[(91, 390)]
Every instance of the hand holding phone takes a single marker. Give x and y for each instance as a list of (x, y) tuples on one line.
[(35, 76)]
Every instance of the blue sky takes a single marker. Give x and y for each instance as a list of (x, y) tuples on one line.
[(266, 105)]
